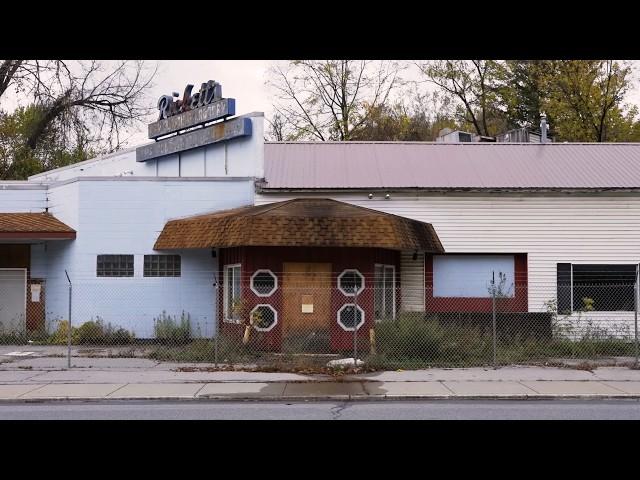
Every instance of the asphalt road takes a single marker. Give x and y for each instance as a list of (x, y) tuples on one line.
[(382, 410)]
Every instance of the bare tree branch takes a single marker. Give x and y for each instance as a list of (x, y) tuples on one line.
[(66, 108), (330, 99)]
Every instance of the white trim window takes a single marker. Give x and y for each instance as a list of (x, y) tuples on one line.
[(232, 293), (350, 282), (384, 292), (350, 317), (264, 282), (264, 317)]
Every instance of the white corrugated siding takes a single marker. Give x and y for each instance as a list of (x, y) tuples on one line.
[(596, 228), (412, 282)]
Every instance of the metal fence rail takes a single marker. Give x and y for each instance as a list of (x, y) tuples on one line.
[(284, 321)]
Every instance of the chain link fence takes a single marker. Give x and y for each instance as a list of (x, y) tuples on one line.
[(285, 320)]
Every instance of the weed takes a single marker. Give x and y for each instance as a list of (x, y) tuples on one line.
[(171, 331)]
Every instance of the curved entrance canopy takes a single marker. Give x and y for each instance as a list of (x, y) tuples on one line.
[(301, 222)]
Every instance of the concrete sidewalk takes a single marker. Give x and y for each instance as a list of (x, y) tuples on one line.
[(164, 381)]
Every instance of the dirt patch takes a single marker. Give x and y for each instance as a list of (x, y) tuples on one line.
[(586, 366), (336, 372)]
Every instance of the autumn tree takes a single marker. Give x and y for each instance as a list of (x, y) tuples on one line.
[(586, 100), (413, 117), (67, 111), (472, 85), (523, 91), (18, 160), (329, 99), (583, 99)]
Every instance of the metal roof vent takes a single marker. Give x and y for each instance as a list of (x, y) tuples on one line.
[(543, 128), (450, 136)]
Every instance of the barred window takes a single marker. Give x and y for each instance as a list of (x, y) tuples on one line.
[(115, 266), (596, 287), (162, 265)]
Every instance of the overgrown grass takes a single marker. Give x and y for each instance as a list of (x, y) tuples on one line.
[(309, 342), (591, 348), (170, 330), (96, 332), (229, 350), (413, 342), (9, 338), (60, 335), (93, 332), (232, 351), (409, 342)]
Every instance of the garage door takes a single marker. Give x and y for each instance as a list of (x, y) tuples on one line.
[(13, 298)]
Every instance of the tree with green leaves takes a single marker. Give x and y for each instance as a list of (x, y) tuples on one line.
[(523, 91), (67, 111), (585, 99), (347, 100), (413, 117), (18, 160), (472, 85)]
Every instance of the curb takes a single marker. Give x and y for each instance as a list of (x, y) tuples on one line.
[(337, 398)]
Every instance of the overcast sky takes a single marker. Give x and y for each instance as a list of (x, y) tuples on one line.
[(243, 80), (240, 79)]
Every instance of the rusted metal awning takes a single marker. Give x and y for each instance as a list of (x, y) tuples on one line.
[(33, 226), (301, 222)]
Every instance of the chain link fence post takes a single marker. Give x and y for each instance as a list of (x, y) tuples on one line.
[(355, 326), (215, 349), (216, 325), (69, 327), (493, 326), (635, 318)]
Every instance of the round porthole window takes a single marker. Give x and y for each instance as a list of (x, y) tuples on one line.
[(351, 281), (350, 317), (263, 317), (264, 283)]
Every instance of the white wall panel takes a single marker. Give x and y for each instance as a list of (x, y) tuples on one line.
[(550, 229)]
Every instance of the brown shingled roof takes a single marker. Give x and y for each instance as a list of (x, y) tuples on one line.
[(300, 222), (29, 226)]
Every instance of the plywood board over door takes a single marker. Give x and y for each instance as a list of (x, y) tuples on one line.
[(18, 256), (306, 298), (13, 300)]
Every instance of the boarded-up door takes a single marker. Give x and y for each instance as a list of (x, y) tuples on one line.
[(306, 298), (13, 297)]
